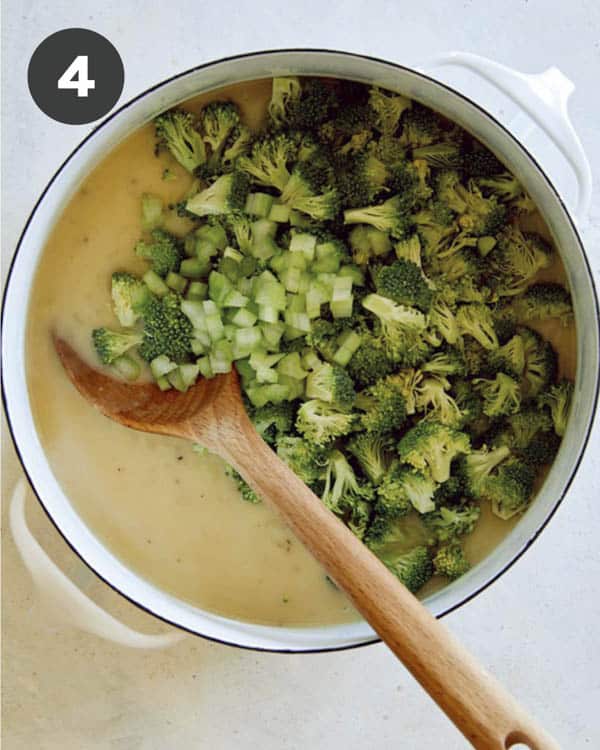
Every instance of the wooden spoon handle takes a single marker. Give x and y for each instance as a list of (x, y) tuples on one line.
[(479, 706)]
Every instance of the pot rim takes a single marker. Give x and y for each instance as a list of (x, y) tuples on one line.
[(358, 56)]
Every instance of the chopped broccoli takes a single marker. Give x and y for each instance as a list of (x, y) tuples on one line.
[(447, 524), (345, 495), (433, 446), (558, 399), (413, 568), (226, 195), (516, 259), (383, 406), (544, 300), (305, 459), (130, 296), (273, 420), (370, 362), (390, 216), (509, 488), (529, 435), (246, 492), (509, 358), (450, 561), (267, 164), (401, 327), (440, 155), (476, 467), (163, 252), (540, 363), (420, 127), (438, 405), (175, 130), (218, 121), (476, 320), (388, 109), (321, 422), (367, 243), (285, 93), (481, 163), (445, 362), (404, 487), (332, 384), (403, 282), (501, 395), (372, 454), (110, 345), (166, 330), (307, 191)]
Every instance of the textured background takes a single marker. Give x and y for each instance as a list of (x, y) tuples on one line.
[(536, 628)]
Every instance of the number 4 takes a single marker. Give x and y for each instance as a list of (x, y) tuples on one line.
[(76, 77)]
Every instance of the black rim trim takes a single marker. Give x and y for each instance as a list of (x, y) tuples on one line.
[(397, 66)]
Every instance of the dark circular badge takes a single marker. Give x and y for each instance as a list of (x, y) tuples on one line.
[(75, 76)]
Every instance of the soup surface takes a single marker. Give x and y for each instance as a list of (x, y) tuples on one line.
[(170, 514)]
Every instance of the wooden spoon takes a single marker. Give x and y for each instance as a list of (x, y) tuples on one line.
[(212, 413)]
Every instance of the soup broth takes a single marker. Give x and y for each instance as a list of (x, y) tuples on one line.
[(170, 514)]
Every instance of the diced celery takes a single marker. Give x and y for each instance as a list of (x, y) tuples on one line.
[(161, 365), (152, 212), (197, 290), (380, 241), (176, 282), (294, 386), (342, 289), (260, 359), (341, 308), (310, 359), (202, 337), (246, 341), (298, 321), (266, 375), (244, 370), (290, 277), (348, 343), (327, 258), (235, 299), (291, 366), (268, 291), (192, 268), (205, 368), (219, 287), (229, 331), (221, 357), (279, 213), (205, 250), (245, 286), (214, 324), (198, 347), (189, 373), (189, 245), (303, 243), (194, 310), (244, 318), (296, 303), (163, 383), (268, 314), (155, 284), (316, 295), (298, 219), (260, 395), (258, 204), (272, 333), (128, 367), (247, 266), (175, 378), (230, 268)]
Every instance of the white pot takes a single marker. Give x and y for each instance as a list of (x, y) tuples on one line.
[(543, 97)]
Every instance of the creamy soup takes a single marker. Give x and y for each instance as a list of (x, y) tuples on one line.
[(171, 515)]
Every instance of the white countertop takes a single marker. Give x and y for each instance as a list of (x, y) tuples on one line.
[(536, 628)]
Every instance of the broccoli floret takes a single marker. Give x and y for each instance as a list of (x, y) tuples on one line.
[(542, 449), (529, 434), (167, 331), (370, 362), (401, 327), (305, 459), (509, 488), (388, 109), (404, 488), (403, 282), (320, 422), (413, 568), (446, 524), (409, 249), (470, 404), (345, 495), (447, 362), (440, 155), (449, 190), (482, 216), (164, 252), (332, 384), (450, 561), (541, 362), (286, 92), (176, 131), (227, 194), (246, 492), (384, 407), (481, 163), (111, 345), (360, 179), (269, 159), (504, 185), (433, 399), (443, 319), (476, 320), (433, 446), (303, 191), (371, 452), (218, 120), (390, 216), (313, 107), (558, 399), (516, 258), (509, 358), (273, 420), (544, 300), (238, 144), (130, 296), (474, 468), (367, 243), (501, 396), (420, 127)]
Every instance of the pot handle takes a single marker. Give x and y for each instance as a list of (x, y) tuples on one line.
[(544, 98), (75, 608)]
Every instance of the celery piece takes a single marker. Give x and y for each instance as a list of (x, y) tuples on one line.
[(295, 387), (290, 278), (303, 243), (272, 333), (221, 357), (214, 324), (268, 314), (342, 289), (298, 321), (354, 273), (213, 233), (485, 245), (194, 310), (161, 365), (310, 359), (155, 284), (279, 213), (316, 295), (192, 268), (247, 266), (298, 219), (246, 341), (229, 331), (163, 383), (291, 366), (231, 252), (327, 258), (296, 303), (259, 204), (175, 378), (235, 299), (189, 373), (348, 343), (244, 318), (152, 212), (244, 370), (205, 368), (341, 308), (260, 395), (219, 287), (176, 282), (128, 367), (197, 290), (198, 347)]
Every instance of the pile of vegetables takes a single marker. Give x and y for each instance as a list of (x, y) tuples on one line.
[(360, 262)]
